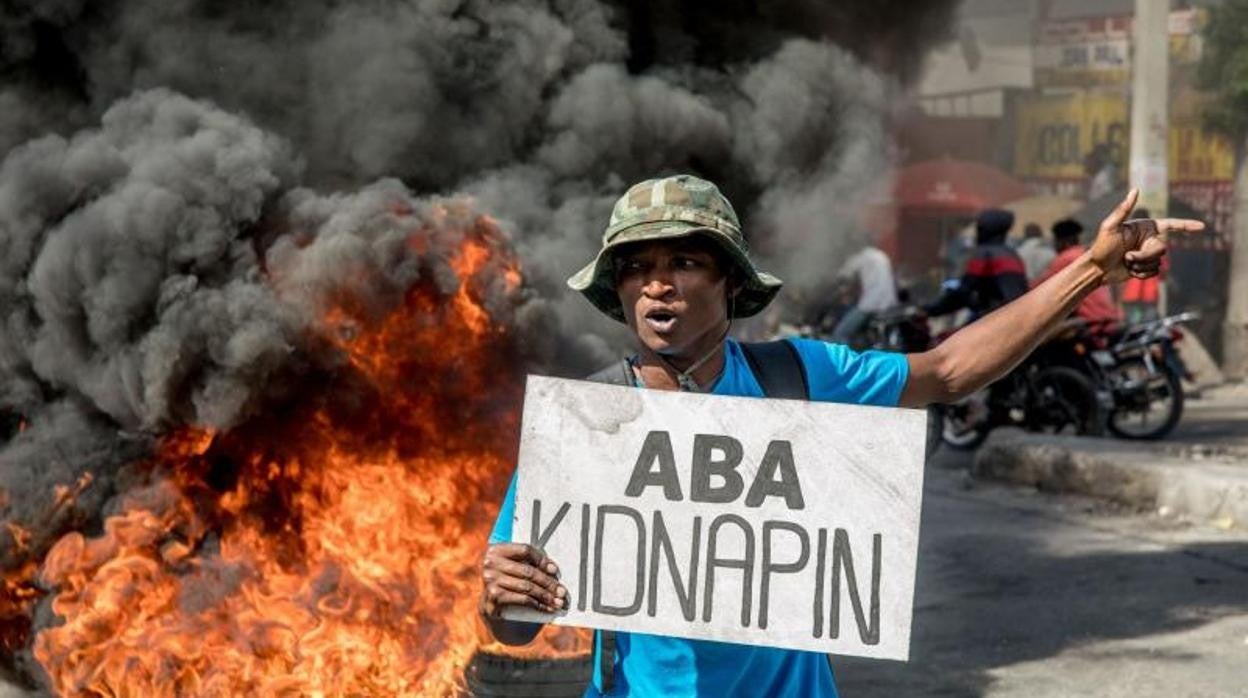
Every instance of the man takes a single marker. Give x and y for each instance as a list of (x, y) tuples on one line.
[(1097, 308), (1036, 254), (994, 274), (873, 272), (1102, 173), (674, 268)]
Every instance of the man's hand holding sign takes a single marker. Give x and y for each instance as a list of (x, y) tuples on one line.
[(776, 524)]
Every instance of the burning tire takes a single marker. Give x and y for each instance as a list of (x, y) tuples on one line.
[(491, 675)]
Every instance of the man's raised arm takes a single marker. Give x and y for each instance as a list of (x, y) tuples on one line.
[(987, 349)]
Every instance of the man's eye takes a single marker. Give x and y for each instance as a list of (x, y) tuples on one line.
[(686, 263)]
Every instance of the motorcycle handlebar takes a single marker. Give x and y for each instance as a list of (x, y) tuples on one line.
[(1145, 333)]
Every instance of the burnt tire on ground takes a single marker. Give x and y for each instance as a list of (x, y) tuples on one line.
[(492, 675)]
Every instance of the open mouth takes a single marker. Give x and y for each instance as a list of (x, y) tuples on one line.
[(660, 320)]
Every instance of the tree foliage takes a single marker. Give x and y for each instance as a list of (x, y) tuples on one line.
[(1223, 68)]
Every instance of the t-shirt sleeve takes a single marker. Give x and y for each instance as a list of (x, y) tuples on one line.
[(837, 373), (502, 525)]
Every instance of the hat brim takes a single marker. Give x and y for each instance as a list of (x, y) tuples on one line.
[(596, 282)]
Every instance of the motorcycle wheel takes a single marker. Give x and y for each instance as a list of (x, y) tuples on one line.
[(1153, 421), (956, 433), (1066, 399)]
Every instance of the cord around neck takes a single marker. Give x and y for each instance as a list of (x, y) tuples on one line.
[(684, 379)]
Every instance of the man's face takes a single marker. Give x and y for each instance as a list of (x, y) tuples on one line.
[(674, 294)]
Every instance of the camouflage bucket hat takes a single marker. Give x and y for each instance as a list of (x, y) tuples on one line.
[(673, 207)]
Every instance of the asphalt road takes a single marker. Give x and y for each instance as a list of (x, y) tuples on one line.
[(1022, 594), (1219, 417)]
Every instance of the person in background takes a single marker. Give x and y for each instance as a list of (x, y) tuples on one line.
[(1097, 308), (1102, 172), (1036, 253), (873, 271), (994, 274), (1140, 296)]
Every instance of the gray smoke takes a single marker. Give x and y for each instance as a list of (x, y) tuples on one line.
[(822, 153), (444, 89), (575, 98), (187, 185), (130, 297), (126, 268)]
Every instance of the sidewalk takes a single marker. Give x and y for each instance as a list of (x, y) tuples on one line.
[(1200, 473)]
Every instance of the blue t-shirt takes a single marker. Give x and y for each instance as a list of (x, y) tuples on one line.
[(655, 665)]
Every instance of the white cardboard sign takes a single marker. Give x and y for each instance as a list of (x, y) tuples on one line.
[(765, 522)]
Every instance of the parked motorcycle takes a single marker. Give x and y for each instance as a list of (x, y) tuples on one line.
[(1055, 390), (1035, 397), (903, 328), (1129, 382), (1142, 371)]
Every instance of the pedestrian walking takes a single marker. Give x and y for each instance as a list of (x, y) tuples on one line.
[(1097, 308), (872, 271), (1037, 254)]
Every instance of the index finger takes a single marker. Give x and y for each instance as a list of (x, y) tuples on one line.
[(1179, 225), (1122, 210), (523, 552)]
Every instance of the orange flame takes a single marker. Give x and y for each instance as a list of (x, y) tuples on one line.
[(331, 549)]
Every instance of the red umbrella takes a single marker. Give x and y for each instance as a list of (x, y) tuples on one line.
[(955, 187)]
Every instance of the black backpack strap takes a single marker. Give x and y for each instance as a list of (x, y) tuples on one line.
[(778, 368), (606, 660), (618, 373)]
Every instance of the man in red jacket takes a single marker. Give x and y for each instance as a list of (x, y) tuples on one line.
[(994, 275), (1097, 308)]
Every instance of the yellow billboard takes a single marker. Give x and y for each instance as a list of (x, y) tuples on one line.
[(1056, 133), (1196, 155)]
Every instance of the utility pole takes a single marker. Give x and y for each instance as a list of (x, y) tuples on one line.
[(1235, 328), (1150, 122)]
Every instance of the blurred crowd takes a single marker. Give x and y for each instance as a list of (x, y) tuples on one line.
[(983, 273)]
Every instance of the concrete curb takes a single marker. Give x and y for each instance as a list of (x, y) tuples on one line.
[(1197, 482)]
